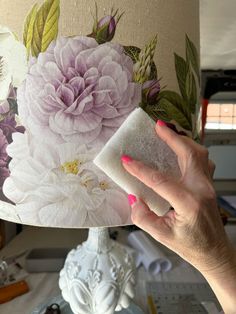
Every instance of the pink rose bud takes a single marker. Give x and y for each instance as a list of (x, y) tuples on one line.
[(106, 28)]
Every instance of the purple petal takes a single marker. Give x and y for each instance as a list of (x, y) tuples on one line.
[(105, 20), (83, 137), (112, 69), (81, 64), (78, 108), (107, 112), (4, 107), (114, 123), (102, 98), (66, 95), (78, 84), (88, 121)]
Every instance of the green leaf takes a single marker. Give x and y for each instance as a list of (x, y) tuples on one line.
[(188, 85), (29, 28), (101, 36), (46, 26), (181, 72), (13, 105), (174, 113), (155, 113), (175, 99), (192, 56), (153, 74), (133, 52), (191, 91)]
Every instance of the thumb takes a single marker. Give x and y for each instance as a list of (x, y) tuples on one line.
[(147, 220)]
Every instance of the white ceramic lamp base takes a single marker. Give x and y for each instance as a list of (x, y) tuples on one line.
[(98, 276)]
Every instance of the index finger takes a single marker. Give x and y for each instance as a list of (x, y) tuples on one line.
[(169, 189), (180, 145)]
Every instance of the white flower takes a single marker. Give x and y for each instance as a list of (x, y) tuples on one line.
[(13, 62), (58, 185)]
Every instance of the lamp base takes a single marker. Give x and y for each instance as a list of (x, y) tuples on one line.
[(98, 276), (65, 307)]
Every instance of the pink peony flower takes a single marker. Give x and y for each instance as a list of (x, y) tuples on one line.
[(78, 91)]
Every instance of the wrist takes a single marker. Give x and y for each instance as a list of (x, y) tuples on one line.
[(222, 279), (219, 262)]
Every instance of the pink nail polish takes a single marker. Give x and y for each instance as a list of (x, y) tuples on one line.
[(132, 199), (171, 126), (126, 159), (161, 123)]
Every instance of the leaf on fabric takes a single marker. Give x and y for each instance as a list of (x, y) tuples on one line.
[(29, 28), (45, 26), (192, 57)]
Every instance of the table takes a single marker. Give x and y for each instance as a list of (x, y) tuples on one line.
[(45, 285)]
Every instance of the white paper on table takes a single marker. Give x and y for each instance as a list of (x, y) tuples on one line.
[(137, 138), (210, 307), (153, 259)]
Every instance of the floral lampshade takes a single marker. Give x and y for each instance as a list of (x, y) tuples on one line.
[(71, 72)]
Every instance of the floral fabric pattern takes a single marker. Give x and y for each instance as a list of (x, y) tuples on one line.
[(13, 63), (78, 91), (61, 99), (57, 182)]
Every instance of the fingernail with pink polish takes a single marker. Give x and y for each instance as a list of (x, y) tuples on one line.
[(132, 199), (161, 123), (126, 159), (171, 126)]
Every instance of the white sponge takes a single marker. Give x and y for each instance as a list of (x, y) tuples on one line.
[(137, 138)]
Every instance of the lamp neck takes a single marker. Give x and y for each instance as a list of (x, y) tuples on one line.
[(98, 240)]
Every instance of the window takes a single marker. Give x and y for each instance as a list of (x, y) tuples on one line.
[(221, 116)]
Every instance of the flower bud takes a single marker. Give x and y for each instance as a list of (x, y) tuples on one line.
[(106, 28), (151, 89)]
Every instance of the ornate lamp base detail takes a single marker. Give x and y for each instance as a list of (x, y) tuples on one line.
[(98, 276)]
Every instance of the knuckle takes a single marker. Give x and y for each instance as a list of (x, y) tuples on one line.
[(139, 170), (190, 153), (212, 165), (211, 194), (194, 202), (195, 154), (182, 195), (136, 218), (204, 201), (158, 178), (204, 152)]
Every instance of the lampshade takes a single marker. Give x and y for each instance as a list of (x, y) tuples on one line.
[(71, 72)]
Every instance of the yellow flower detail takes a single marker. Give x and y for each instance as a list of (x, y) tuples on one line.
[(88, 184), (71, 166), (104, 185)]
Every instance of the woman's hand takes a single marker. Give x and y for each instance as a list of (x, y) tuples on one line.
[(194, 228)]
